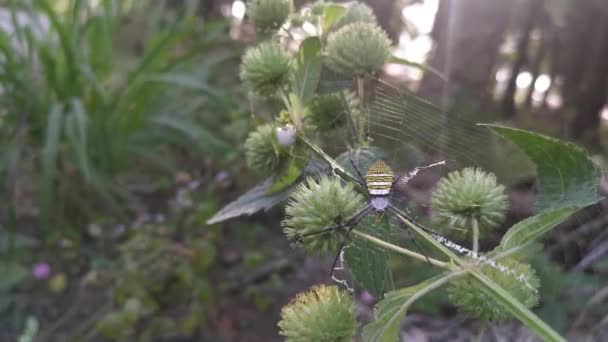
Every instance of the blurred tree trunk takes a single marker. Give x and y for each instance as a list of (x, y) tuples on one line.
[(584, 67), (385, 11), (531, 14), (467, 35), (213, 8), (593, 90)]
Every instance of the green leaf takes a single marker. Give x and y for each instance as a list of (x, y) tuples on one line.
[(308, 72), (49, 160), (258, 198), (12, 275), (331, 14), (251, 202), (389, 312), (368, 262), (398, 60), (567, 176), (529, 230), (331, 82), (288, 176), (363, 158)]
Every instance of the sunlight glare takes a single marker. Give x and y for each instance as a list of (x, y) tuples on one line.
[(542, 84), (421, 15), (524, 79), (238, 9)]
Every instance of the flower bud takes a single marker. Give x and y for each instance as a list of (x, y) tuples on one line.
[(317, 205), (286, 135), (470, 296), (327, 112), (323, 314), (357, 49), (262, 151), (467, 196), (266, 68), (269, 15), (358, 12)]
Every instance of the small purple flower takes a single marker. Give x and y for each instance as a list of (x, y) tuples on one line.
[(367, 298), (41, 270), (286, 135), (221, 176)]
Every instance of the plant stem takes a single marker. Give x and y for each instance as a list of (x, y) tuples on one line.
[(503, 297), (475, 236), (361, 118), (401, 250), (293, 111), (336, 168)]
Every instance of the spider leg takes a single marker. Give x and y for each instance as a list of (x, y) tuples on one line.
[(353, 223), (420, 250), (406, 178), (409, 232), (359, 173), (353, 220), (398, 211)]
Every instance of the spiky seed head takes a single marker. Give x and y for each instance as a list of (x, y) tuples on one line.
[(358, 12), (269, 15), (327, 112), (467, 196), (263, 153), (318, 7), (357, 49), (316, 205), (266, 68), (322, 314), (471, 297)]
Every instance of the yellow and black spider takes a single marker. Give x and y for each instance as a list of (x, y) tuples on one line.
[(380, 180)]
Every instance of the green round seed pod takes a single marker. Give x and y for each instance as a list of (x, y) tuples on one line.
[(327, 112), (357, 49), (465, 197), (322, 314), (262, 151), (471, 297), (316, 205), (266, 68), (296, 20), (318, 7), (358, 12), (269, 15)]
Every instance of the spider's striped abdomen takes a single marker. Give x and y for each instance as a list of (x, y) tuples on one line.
[(379, 179)]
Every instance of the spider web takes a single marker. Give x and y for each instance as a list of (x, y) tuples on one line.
[(415, 132)]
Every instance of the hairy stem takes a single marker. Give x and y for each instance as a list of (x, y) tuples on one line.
[(475, 236), (336, 168), (401, 250), (361, 118)]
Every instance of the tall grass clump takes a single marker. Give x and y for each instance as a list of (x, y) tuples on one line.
[(84, 104)]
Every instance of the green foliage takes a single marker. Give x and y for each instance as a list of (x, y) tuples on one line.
[(79, 109), (367, 262), (353, 48), (567, 175), (389, 312), (467, 294), (308, 71)]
